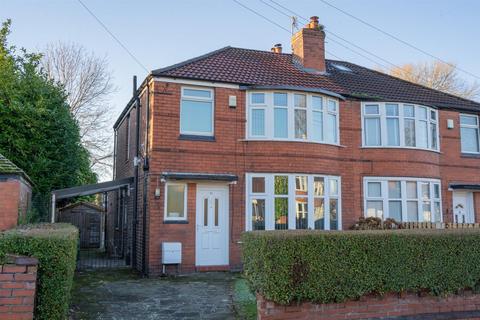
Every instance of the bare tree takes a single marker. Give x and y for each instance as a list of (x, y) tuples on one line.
[(88, 83), (437, 75)]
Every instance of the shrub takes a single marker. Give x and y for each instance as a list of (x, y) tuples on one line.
[(55, 246), (328, 267), (372, 223)]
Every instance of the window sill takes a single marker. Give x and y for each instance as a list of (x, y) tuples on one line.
[(190, 137), (175, 221), (300, 141), (396, 148), (470, 155)]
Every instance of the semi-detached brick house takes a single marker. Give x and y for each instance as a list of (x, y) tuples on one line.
[(242, 139)]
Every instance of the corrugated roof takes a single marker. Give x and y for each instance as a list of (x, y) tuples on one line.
[(264, 68)]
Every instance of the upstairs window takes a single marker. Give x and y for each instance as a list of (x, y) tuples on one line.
[(196, 112), (469, 132), (292, 117), (399, 125)]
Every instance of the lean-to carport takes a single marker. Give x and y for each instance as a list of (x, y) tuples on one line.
[(111, 227), (87, 190)]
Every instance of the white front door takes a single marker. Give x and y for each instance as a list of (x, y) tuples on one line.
[(212, 226), (463, 207)]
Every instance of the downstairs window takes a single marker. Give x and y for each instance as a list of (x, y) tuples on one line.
[(293, 201), (403, 199)]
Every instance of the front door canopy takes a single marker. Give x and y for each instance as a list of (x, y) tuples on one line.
[(199, 176), (464, 186), (92, 188)]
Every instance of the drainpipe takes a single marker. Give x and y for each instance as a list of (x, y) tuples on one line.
[(145, 182), (135, 163), (114, 153)]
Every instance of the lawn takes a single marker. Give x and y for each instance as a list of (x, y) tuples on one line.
[(244, 300)]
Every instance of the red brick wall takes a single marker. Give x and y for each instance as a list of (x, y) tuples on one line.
[(17, 288), (390, 305), (9, 203), (124, 167), (231, 154)]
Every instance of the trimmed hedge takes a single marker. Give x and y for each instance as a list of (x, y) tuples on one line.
[(329, 267), (55, 247)]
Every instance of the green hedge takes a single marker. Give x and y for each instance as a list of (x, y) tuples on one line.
[(325, 267), (55, 246)]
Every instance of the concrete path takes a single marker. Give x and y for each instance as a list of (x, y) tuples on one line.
[(124, 295)]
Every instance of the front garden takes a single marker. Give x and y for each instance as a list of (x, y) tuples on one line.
[(329, 267), (55, 247)]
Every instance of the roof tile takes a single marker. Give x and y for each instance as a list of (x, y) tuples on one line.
[(263, 68)]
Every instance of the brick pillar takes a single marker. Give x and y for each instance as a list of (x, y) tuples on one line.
[(18, 278)]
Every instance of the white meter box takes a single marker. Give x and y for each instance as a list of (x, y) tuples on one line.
[(171, 252)]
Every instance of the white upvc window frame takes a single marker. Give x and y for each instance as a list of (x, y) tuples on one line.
[(199, 99), (269, 198), (401, 120), (469, 126), (185, 201), (269, 107), (404, 199)]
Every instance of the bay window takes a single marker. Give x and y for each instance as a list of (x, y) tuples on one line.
[(399, 125), (292, 116), (469, 133), (293, 201), (196, 111), (403, 199)]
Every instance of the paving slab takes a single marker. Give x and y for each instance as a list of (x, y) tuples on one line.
[(121, 294)]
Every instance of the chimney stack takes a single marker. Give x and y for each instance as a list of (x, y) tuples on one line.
[(277, 48), (308, 46)]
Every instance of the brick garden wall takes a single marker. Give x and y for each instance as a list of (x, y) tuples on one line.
[(390, 305), (17, 288)]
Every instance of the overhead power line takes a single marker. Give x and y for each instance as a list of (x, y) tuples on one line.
[(398, 39), (335, 35), (260, 15), (274, 23), (113, 36)]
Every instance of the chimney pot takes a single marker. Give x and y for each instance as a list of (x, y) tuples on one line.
[(277, 48), (313, 24)]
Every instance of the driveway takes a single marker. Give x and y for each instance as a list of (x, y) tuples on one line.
[(122, 294)]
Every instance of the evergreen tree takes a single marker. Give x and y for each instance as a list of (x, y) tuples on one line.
[(37, 130)]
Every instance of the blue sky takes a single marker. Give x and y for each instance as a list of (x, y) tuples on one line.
[(160, 33)]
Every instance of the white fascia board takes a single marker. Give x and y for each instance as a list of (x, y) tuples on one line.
[(203, 83)]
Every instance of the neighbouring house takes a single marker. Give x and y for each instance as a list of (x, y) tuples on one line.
[(242, 139), (89, 218), (15, 194)]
